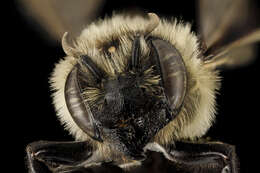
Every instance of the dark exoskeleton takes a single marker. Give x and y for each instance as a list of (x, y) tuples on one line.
[(143, 116)]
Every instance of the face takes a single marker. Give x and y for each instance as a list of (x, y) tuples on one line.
[(127, 109), (129, 114)]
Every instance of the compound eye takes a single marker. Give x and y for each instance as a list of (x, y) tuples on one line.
[(78, 108), (173, 72)]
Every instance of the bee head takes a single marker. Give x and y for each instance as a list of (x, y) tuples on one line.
[(143, 94)]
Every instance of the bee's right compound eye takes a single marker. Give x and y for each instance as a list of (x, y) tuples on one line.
[(173, 73), (80, 110)]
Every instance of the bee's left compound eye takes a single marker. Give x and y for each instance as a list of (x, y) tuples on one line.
[(173, 73)]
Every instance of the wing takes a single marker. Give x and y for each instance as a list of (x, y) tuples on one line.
[(229, 29), (57, 17)]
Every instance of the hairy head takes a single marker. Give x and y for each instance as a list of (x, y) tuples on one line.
[(132, 83)]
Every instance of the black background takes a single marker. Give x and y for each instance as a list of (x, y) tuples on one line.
[(31, 116)]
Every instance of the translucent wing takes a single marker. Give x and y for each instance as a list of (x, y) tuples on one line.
[(229, 29), (58, 16)]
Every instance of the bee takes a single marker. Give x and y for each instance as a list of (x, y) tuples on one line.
[(134, 88)]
